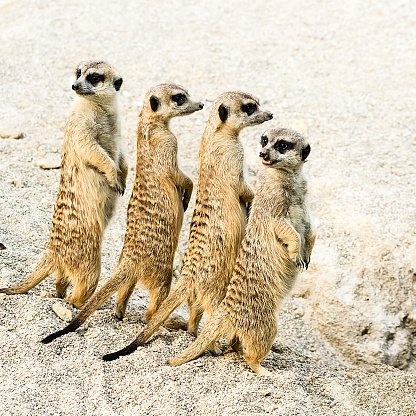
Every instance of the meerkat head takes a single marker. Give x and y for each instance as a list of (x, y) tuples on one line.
[(166, 101), (237, 110), (283, 149), (96, 80)]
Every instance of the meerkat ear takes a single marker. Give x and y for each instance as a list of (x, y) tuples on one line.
[(305, 152), (154, 103), (117, 83), (223, 113)]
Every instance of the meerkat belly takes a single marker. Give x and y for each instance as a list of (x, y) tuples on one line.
[(153, 217), (78, 220), (219, 237)]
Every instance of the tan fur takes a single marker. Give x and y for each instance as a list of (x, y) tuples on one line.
[(93, 171), (219, 218), (161, 192), (278, 241)]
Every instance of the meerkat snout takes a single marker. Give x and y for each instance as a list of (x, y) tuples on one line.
[(264, 155)]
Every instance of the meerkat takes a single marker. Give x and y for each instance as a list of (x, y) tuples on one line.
[(161, 194), (219, 218), (93, 173), (278, 242)]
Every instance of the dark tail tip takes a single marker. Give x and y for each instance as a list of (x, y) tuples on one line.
[(57, 334), (125, 351)]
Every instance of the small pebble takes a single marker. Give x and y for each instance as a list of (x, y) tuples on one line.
[(46, 294), (12, 134), (3, 296), (272, 408), (2, 246), (44, 228), (93, 334), (265, 393), (62, 312), (48, 164), (6, 328), (16, 183)]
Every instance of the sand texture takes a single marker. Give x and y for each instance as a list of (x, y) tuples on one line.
[(343, 73)]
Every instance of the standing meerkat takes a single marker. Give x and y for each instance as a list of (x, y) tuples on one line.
[(278, 241), (219, 219), (93, 172), (161, 194)]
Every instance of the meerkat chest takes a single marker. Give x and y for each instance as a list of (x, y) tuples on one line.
[(107, 135), (296, 213)]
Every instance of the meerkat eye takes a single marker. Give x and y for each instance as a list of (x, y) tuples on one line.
[(282, 146), (179, 99), (78, 74), (95, 78), (249, 108), (263, 141)]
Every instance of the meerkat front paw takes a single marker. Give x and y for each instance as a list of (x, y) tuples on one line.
[(116, 186), (119, 189), (185, 200), (302, 263), (295, 255)]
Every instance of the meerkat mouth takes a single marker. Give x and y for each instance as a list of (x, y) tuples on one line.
[(269, 162), (84, 93)]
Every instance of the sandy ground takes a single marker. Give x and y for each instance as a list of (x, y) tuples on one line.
[(343, 73)]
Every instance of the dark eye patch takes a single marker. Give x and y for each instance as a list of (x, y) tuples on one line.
[(283, 146), (179, 99), (249, 108), (94, 78), (78, 74), (263, 141)]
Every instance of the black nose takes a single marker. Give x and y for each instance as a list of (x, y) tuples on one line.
[(264, 155), (201, 106), (75, 87), (270, 115)]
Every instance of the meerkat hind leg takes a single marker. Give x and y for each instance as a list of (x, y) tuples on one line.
[(256, 367), (156, 297), (84, 288), (123, 297), (253, 359), (236, 345), (196, 311), (61, 284)]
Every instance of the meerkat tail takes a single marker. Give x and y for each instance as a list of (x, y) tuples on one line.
[(42, 270), (116, 281), (175, 298), (211, 331)]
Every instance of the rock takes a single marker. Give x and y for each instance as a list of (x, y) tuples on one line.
[(3, 296), (17, 183), (48, 164), (380, 326), (46, 294), (62, 312), (2, 246), (12, 134), (94, 333)]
